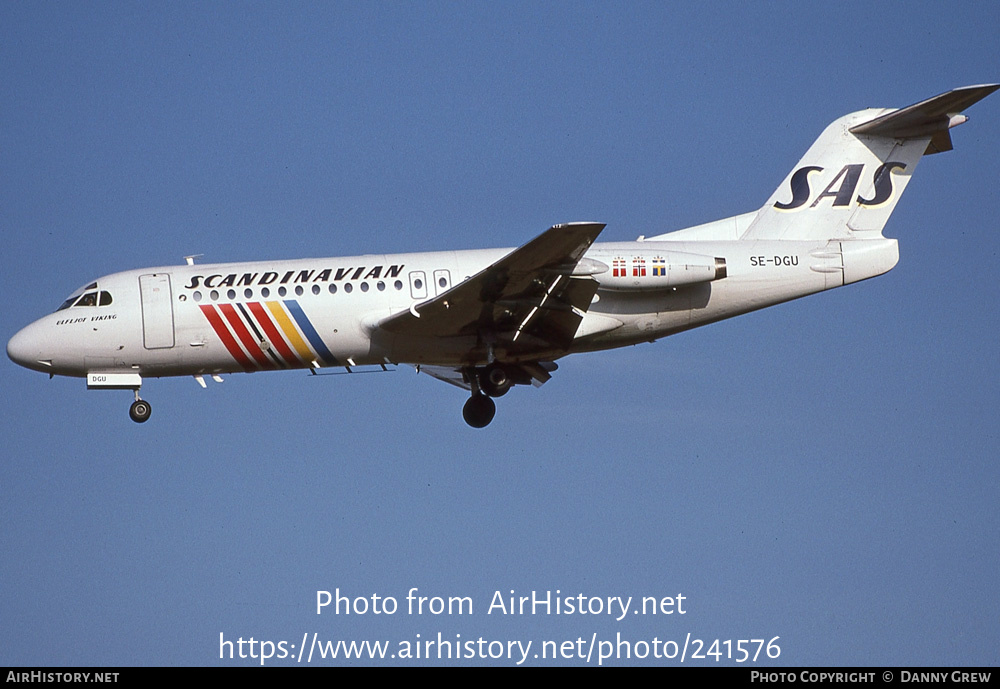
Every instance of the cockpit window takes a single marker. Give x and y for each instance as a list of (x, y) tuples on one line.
[(90, 297)]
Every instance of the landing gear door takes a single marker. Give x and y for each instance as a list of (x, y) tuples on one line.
[(157, 311)]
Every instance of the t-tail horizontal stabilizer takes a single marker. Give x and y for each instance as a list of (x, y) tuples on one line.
[(849, 181), (932, 117)]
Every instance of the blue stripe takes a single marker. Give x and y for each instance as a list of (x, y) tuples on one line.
[(310, 332)]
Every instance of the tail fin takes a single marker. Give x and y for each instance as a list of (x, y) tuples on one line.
[(849, 181)]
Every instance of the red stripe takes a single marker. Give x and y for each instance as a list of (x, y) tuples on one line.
[(273, 335), (251, 345), (223, 332)]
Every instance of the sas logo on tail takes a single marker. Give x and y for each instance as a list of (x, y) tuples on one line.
[(842, 187)]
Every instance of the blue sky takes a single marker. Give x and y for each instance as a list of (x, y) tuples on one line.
[(823, 471)]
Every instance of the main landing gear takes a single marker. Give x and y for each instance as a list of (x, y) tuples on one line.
[(479, 410), (486, 382), (140, 409)]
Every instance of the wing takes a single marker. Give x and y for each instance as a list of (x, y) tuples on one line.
[(532, 300)]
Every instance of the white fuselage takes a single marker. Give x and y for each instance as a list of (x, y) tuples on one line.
[(223, 318)]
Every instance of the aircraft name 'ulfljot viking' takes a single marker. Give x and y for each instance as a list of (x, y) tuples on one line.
[(486, 320)]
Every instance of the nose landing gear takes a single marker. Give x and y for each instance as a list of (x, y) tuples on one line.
[(117, 380), (140, 409)]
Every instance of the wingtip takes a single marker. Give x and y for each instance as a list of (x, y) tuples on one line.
[(581, 224)]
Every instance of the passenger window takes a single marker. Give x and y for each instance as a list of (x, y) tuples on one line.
[(442, 279), (418, 290)]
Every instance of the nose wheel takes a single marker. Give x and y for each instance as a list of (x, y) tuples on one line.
[(140, 410)]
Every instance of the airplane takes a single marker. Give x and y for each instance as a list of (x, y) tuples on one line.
[(489, 319)]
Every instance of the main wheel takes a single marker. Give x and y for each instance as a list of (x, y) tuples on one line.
[(479, 411), (140, 411), (494, 380)]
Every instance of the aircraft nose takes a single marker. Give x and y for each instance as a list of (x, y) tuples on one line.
[(25, 347)]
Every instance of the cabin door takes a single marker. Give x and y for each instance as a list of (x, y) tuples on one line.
[(157, 311)]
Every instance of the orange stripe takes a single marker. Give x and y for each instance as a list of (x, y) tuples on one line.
[(287, 327)]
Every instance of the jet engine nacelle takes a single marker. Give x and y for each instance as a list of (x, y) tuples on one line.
[(652, 271)]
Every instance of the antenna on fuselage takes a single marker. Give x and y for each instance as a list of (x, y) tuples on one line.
[(190, 259)]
